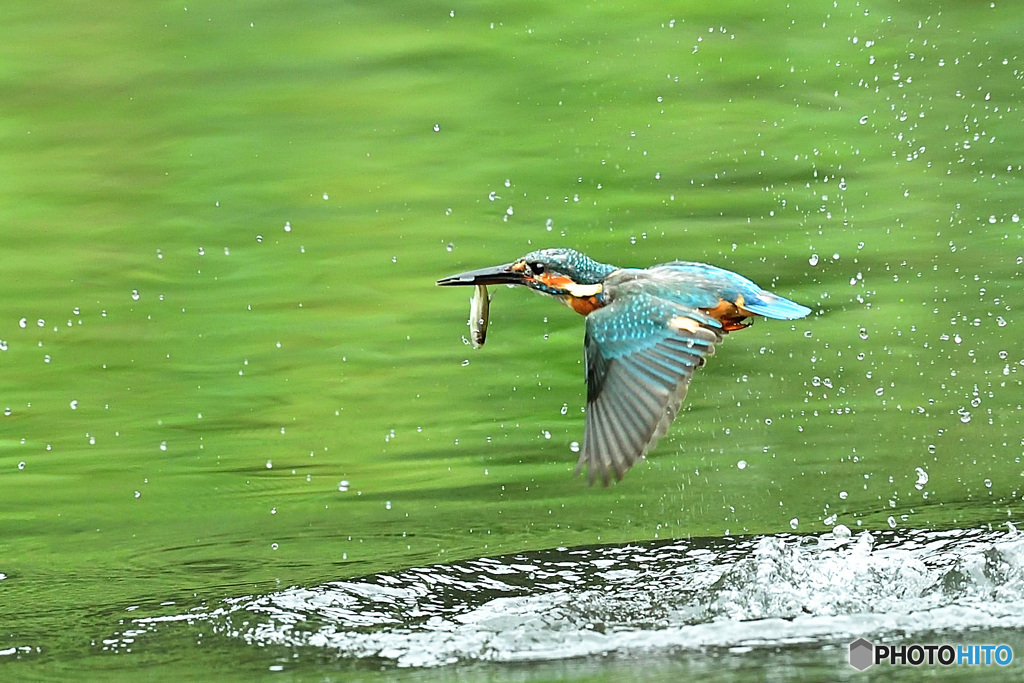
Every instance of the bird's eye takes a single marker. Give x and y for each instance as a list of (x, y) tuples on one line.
[(537, 267)]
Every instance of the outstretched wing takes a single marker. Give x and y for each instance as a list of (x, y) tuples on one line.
[(641, 351)]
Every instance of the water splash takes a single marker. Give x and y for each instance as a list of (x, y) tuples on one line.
[(732, 593)]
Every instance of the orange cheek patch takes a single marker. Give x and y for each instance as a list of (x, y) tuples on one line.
[(555, 281)]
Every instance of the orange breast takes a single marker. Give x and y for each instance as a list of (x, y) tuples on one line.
[(583, 305)]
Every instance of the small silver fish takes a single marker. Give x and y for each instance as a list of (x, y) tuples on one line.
[(479, 314)]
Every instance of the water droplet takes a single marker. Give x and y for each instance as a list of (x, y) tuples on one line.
[(742, 464), (843, 495), (922, 479), (74, 405), (387, 505), (574, 446), (794, 523), (135, 295), (343, 485), (863, 120), (813, 260)]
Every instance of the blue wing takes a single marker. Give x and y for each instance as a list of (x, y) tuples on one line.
[(703, 286), (641, 351)]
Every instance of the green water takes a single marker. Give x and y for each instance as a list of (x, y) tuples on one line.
[(226, 368)]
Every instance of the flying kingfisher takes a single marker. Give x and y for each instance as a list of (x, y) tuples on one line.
[(647, 331)]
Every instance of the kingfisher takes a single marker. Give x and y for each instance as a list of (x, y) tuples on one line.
[(647, 330)]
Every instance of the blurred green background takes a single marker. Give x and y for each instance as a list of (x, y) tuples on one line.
[(225, 367)]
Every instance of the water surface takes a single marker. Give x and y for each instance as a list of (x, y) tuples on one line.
[(228, 382)]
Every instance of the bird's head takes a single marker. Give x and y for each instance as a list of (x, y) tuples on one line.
[(563, 273)]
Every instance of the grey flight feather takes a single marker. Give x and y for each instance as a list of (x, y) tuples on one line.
[(639, 361)]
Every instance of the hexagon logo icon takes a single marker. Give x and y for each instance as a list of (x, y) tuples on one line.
[(862, 654)]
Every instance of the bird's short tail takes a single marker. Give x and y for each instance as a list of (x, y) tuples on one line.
[(774, 306)]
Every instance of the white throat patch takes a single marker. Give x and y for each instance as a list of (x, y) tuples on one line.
[(583, 291)]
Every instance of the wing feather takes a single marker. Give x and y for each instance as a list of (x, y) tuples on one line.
[(639, 365)]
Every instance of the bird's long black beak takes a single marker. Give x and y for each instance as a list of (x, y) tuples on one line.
[(495, 275)]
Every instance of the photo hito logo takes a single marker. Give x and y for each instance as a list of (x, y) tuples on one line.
[(864, 653)]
